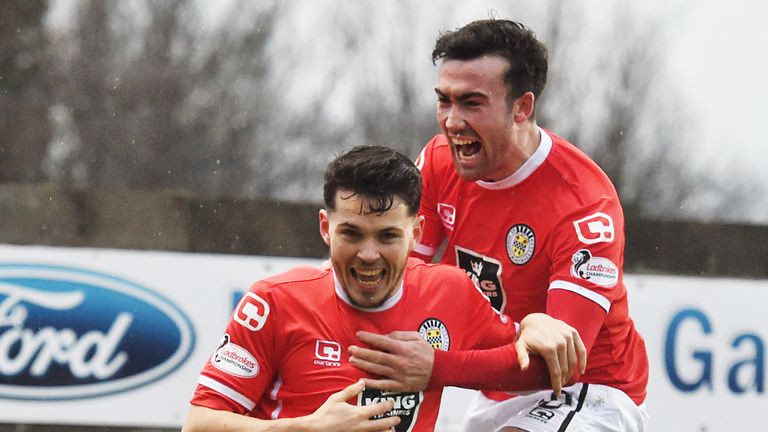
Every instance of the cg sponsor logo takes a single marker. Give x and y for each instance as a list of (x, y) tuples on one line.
[(68, 333), (406, 406), (447, 214), (690, 368), (596, 228), (547, 409), (327, 353), (252, 312)]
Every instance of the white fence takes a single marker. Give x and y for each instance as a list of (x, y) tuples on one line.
[(116, 337)]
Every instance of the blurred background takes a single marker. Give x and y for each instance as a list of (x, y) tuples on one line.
[(246, 99), (181, 145)]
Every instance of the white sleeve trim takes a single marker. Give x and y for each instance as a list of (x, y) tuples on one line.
[(595, 297), (226, 391), (424, 250), (273, 394)]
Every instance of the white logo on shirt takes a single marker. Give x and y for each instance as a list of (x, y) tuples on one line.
[(252, 312), (327, 353), (596, 228), (447, 213)]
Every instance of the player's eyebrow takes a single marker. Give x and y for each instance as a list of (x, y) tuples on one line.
[(391, 230), (462, 97)]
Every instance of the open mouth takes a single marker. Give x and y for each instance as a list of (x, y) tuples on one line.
[(465, 147), (368, 277)]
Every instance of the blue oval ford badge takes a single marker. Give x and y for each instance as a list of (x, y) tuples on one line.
[(68, 333)]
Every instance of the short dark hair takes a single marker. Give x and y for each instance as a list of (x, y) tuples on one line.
[(511, 40), (377, 173)]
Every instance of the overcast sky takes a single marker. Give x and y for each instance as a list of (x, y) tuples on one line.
[(719, 59), (715, 58)]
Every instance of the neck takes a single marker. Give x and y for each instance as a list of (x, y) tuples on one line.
[(528, 140)]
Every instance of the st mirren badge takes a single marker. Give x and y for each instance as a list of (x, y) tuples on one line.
[(521, 243), (434, 331)]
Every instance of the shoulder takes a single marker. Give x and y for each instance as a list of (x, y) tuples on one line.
[(298, 282), (435, 156), (420, 271), (444, 285), (576, 175)]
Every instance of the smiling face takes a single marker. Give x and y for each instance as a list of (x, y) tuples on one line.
[(489, 136), (369, 250)]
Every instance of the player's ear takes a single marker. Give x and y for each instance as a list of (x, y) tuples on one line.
[(325, 227), (523, 107), (418, 230)]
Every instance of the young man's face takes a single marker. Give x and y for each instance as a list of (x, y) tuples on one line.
[(368, 250), (473, 112)]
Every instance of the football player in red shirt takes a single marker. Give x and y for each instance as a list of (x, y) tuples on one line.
[(284, 352), (536, 224)]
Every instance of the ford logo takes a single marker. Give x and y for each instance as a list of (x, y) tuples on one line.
[(68, 333)]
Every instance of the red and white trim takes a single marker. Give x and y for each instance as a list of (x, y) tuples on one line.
[(595, 297)]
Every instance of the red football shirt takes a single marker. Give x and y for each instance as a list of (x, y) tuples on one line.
[(542, 240), (285, 348)]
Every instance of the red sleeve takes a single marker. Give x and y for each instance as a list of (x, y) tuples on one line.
[(241, 367), (212, 399), (587, 267), (490, 369), (433, 234), (579, 312), (588, 253), (497, 368)]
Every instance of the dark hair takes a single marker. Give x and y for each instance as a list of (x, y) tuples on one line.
[(509, 39), (376, 173)]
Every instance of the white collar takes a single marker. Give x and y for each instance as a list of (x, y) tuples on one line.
[(526, 169), (388, 303)]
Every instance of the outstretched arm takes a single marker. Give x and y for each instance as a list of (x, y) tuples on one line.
[(334, 415), (407, 363)]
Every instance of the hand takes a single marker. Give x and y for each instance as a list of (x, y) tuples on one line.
[(337, 415), (403, 358), (558, 343)]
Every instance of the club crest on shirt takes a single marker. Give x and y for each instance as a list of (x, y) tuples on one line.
[(521, 243), (234, 359), (406, 406), (434, 331), (599, 271)]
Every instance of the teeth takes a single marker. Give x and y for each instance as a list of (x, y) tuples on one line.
[(462, 141), (368, 272)]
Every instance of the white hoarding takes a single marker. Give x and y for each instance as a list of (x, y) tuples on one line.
[(115, 337), (112, 337), (706, 345)]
